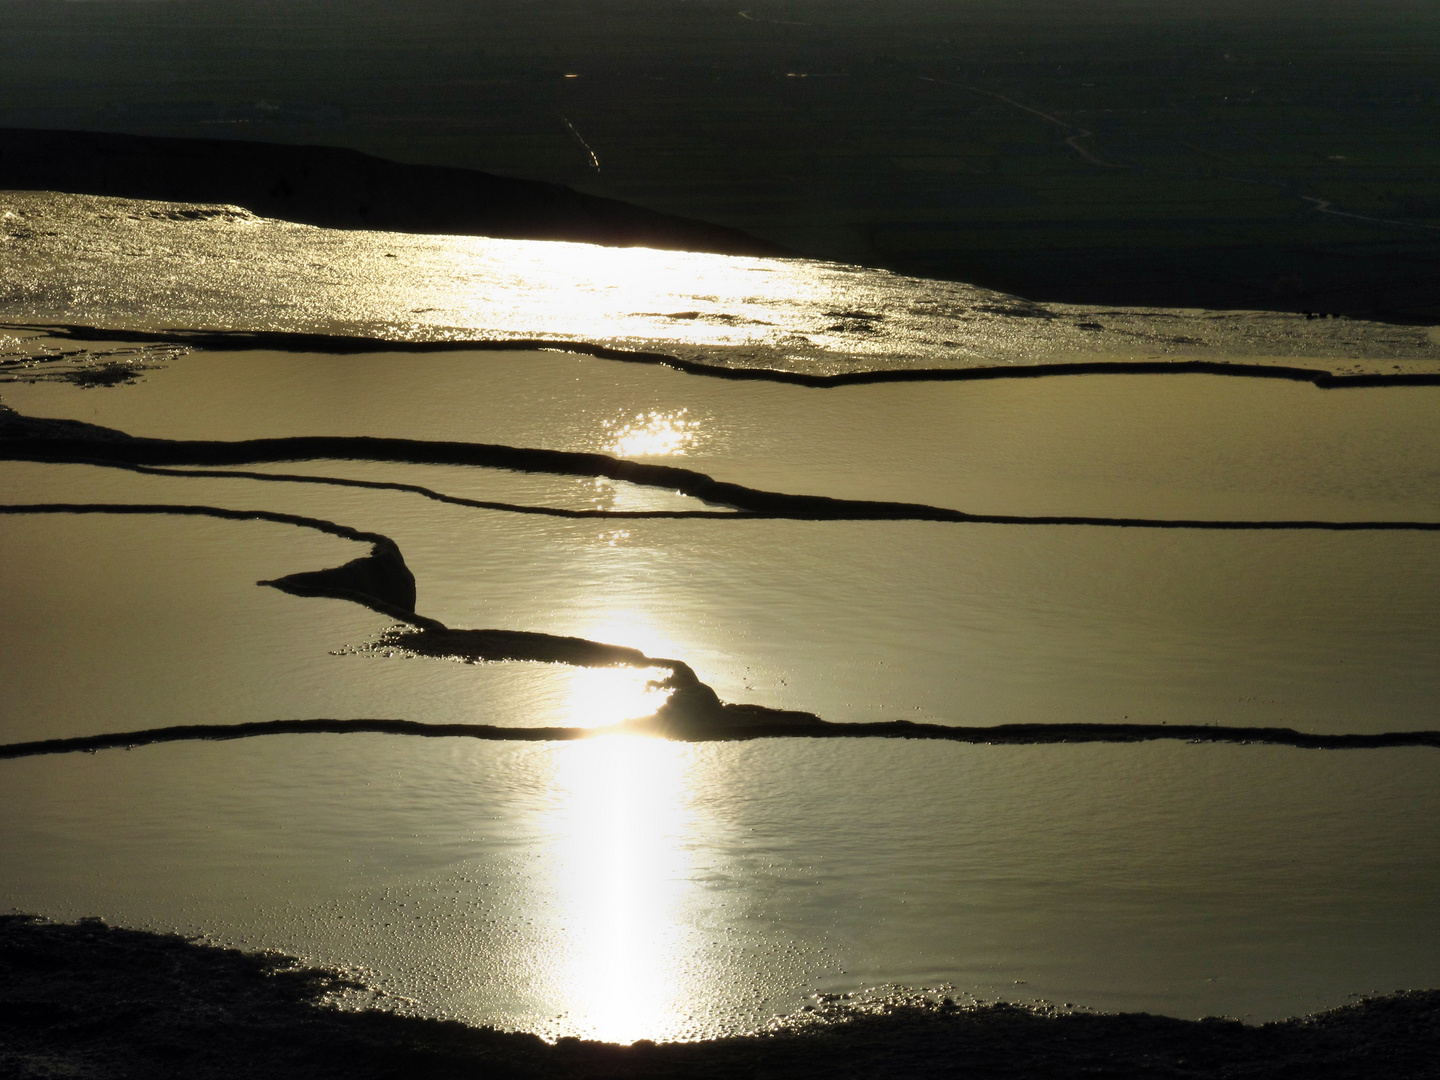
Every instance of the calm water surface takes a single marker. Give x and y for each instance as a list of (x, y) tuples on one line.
[(628, 888)]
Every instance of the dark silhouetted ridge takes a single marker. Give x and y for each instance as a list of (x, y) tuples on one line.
[(345, 189)]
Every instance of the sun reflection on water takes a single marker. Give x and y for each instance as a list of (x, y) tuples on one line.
[(654, 434), (623, 877), (621, 835), (603, 696)]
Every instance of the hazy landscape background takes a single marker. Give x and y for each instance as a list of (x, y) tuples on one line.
[(1272, 155)]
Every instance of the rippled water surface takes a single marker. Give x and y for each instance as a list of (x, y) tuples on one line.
[(118, 262), (630, 887)]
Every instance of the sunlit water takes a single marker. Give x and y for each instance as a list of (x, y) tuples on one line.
[(623, 877), (118, 262), (633, 888)]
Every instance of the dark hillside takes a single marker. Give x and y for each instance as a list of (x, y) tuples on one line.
[(344, 189), (1274, 154)]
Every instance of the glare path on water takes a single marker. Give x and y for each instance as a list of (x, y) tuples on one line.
[(621, 878), (122, 263)]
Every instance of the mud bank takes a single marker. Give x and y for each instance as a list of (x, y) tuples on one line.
[(693, 712), (350, 345), (381, 581), (96, 1001), (716, 721), (66, 441)]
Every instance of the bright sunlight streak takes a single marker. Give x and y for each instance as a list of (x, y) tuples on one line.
[(603, 696), (623, 876), (653, 434), (599, 697)]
